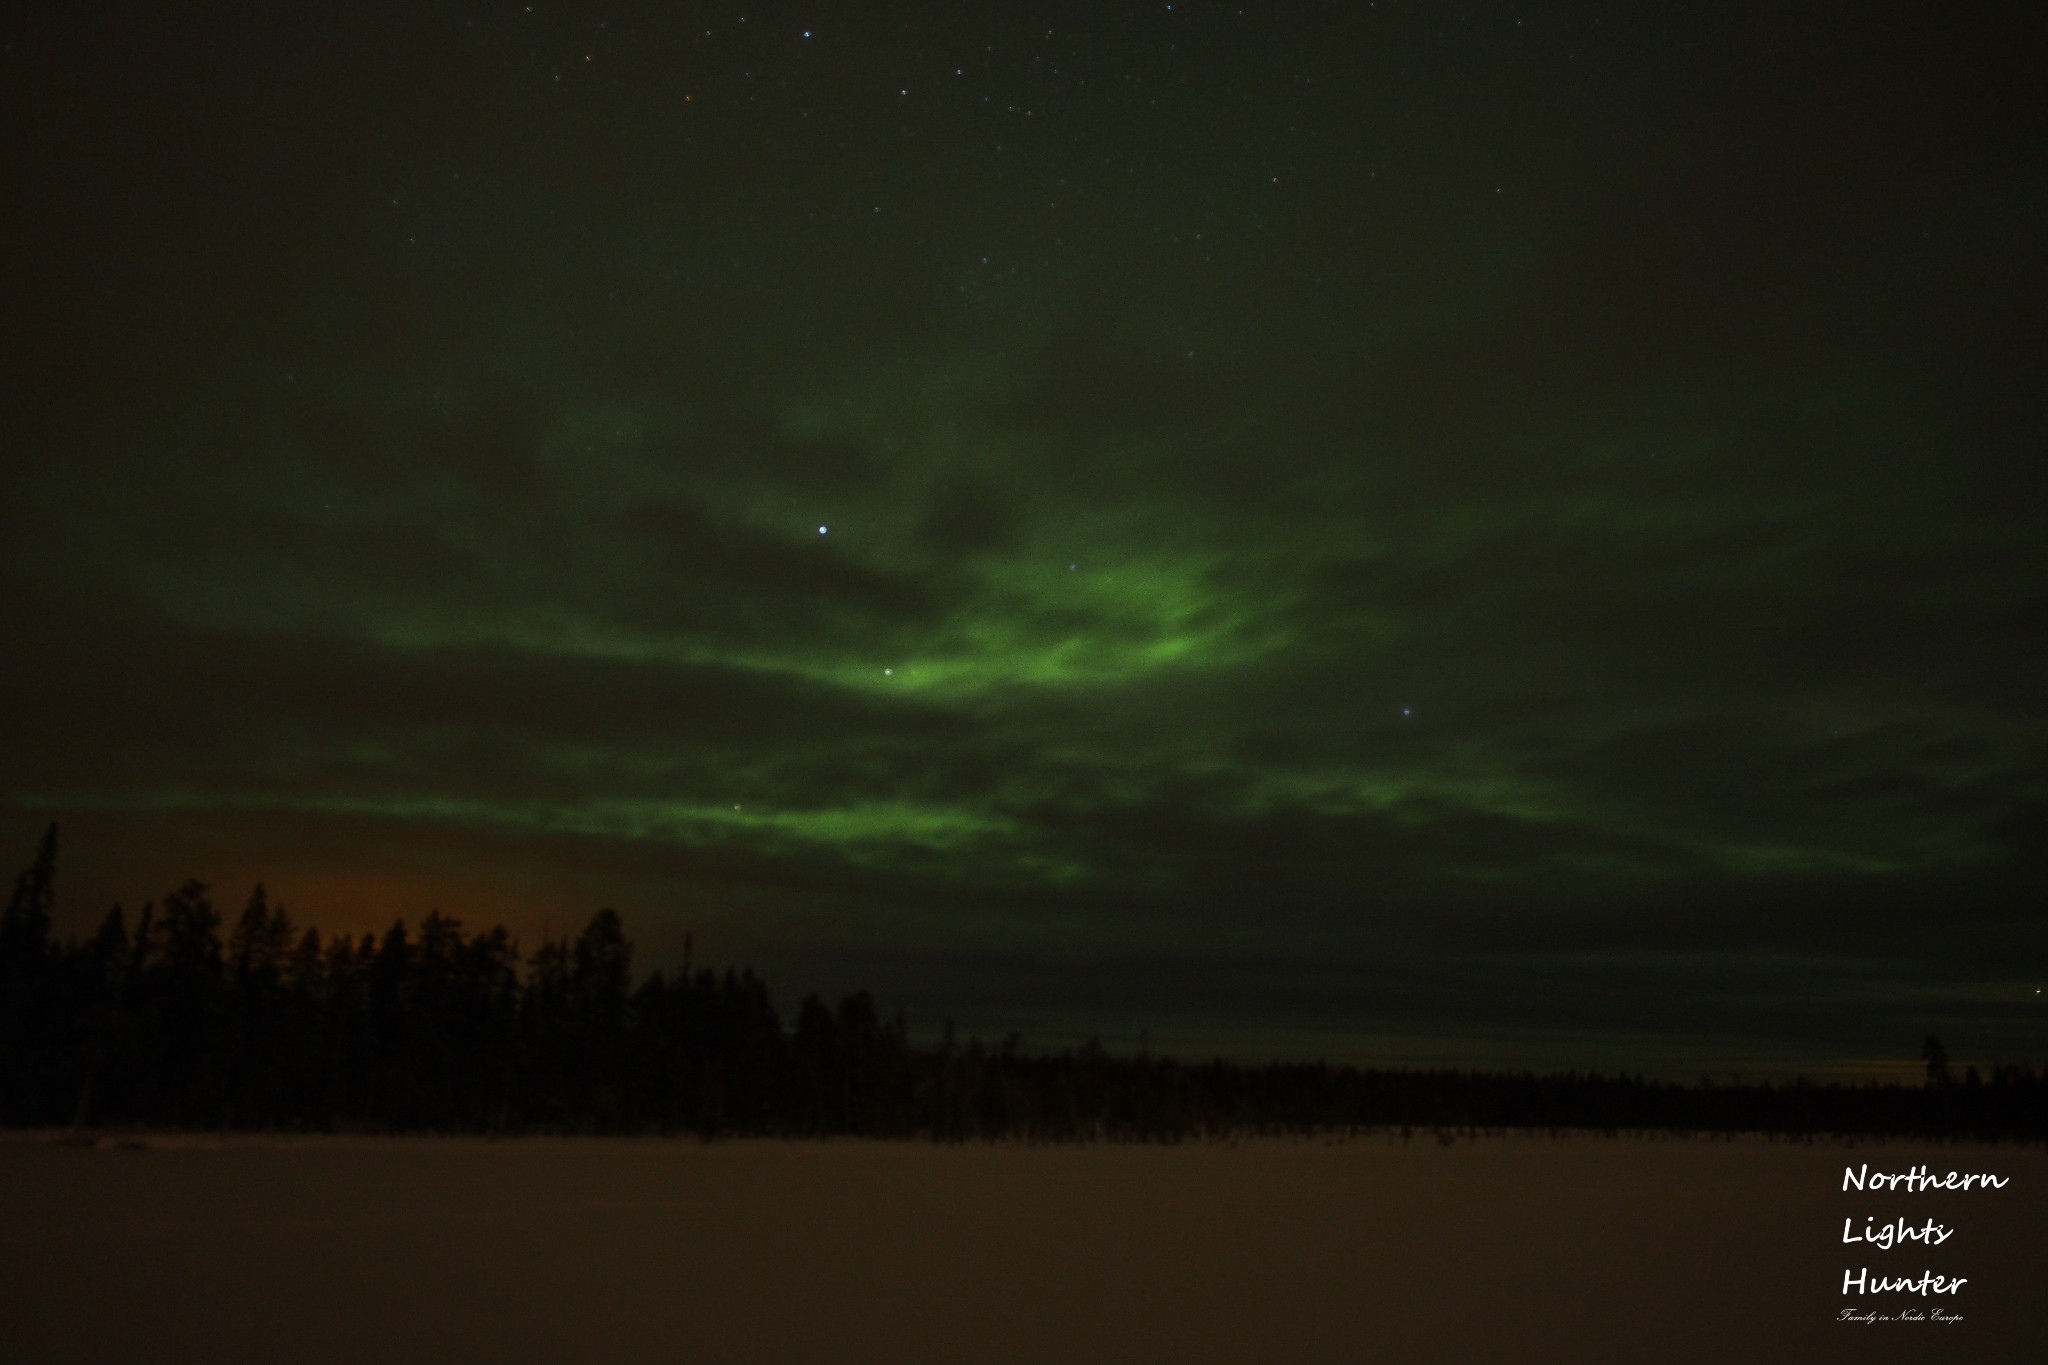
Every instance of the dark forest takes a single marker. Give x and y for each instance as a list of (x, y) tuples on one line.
[(163, 1021)]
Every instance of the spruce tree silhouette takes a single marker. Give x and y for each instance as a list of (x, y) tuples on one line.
[(186, 988), (25, 926), (25, 1036)]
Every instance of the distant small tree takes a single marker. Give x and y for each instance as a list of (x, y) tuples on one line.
[(1936, 1057)]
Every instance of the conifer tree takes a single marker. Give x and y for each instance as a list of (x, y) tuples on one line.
[(25, 925)]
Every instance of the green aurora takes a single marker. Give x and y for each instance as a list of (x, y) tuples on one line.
[(1501, 535)]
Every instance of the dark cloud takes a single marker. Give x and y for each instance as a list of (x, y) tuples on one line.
[(1086, 381), (967, 516)]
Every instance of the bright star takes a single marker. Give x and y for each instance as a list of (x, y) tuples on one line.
[(821, 530)]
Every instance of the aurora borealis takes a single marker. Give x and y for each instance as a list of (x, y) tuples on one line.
[(1499, 534)]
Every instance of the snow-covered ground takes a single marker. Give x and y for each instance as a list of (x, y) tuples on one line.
[(1370, 1250)]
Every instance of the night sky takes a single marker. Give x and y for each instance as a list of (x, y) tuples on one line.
[(1500, 535)]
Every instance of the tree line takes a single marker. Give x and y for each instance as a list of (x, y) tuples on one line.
[(174, 1018)]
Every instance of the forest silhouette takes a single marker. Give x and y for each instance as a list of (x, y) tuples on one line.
[(164, 1021)]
